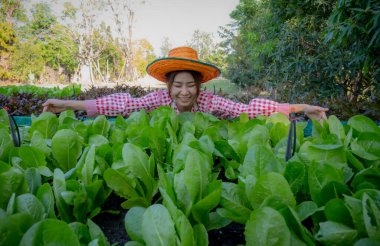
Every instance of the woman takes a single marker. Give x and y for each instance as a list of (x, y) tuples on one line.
[(184, 74)]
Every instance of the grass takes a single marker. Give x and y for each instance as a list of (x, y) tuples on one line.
[(222, 84)]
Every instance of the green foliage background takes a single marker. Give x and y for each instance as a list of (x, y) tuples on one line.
[(317, 52), (308, 51)]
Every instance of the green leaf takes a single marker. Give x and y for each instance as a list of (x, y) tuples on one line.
[(271, 186), (202, 208), (33, 178), (260, 161), (336, 210), (351, 159), (122, 184), (278, 132), (31, 157), (216, 221), (266, 226), (367, 146), (184, 200), (354, 206), (66, 114), (59, 187), (166, 182), (6, 144), (66, 147), (371, 215), (137, 162), (336, 127), (196, 174), (331, 153), (306, 209), (81, 230), (234, 203), (97, 140), (38, 141), (96, 233), (46, 196), (13, 227), (295, 174), (361, 124), (29, 204), (100, 126), (367, 242), (300, 234), (319, 175), (334, 190), (223, 149), (134, 243), (49, 232), (367, 178), (89, 166), (278, 118), (46, 123), (182, 224), (200, 235), (133, 222), (335, 233), (157, 226), (11, 182)]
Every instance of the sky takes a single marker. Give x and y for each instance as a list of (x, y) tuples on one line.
[(178, 19), (175, 19)]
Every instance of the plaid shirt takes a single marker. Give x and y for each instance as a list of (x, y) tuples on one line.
[(124, 104)]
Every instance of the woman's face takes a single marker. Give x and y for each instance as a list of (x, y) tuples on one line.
[(184, 91)]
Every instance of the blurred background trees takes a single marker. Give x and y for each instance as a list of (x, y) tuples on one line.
[(320, 52), (308, 51)]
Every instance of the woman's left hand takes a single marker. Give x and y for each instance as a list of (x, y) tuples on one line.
[(315, 112)]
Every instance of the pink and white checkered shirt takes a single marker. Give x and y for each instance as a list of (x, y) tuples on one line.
[(124, 104)]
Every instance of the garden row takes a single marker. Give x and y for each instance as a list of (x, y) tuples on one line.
[(181, 177), (27, 100)]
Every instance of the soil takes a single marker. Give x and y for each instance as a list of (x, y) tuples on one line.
[(112, 225)]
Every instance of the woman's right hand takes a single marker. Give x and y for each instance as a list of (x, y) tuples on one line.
[(55, 105)]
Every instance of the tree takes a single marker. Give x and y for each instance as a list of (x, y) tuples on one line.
[(165, 46), (49, 45), (208, 50), (42, 19), (8, 41), (314, 51), (252, 41), (124, 27), (83, 27), (27, 60), (143, 56), (354, 28), (60, 51), (10, 13)]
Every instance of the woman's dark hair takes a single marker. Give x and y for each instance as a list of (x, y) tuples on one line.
[(196, 75)]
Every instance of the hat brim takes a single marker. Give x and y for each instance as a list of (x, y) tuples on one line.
[(161, 67)]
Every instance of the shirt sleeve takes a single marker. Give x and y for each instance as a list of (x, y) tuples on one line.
[(123, 104), (226, 108)]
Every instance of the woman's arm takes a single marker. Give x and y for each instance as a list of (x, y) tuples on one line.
[(111, 105), (57, 106), (313, 112), (225, 108)]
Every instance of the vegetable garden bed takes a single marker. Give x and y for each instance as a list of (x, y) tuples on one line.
[(189, 179)]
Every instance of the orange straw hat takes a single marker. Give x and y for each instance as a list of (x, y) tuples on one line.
[(181, 58)]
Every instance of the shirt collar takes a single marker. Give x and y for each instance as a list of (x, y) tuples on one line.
[(194, 109)]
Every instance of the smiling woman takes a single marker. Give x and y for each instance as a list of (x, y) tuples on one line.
[(184, 88), (183, 72)]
